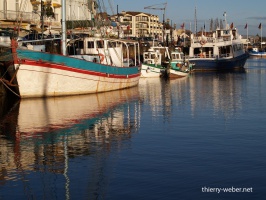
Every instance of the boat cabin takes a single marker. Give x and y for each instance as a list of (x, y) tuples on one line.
[(105, 51), (177, 54), (219, 44), (152, 57)]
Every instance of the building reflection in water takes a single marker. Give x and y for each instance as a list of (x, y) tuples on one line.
[(43, 135)]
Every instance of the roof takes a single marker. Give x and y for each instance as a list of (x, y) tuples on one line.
[(133, 13)]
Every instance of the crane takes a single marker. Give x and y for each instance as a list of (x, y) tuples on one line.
[(159, 7), (156, 7)]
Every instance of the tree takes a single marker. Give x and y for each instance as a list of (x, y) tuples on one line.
[(211, 25), (216, 23), (221, 24)]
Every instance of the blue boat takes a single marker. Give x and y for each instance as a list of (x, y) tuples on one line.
[(255, 52), (220, 50)]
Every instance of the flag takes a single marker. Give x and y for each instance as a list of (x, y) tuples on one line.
[(259, 26), (182, 26), (246, 26), (232, 25)]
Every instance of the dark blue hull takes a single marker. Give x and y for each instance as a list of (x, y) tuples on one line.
[(257, 54), (236, 63)]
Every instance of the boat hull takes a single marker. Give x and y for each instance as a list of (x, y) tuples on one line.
[(177, 74), (227, 64), (257, 54), (41, 74), (151, 71)]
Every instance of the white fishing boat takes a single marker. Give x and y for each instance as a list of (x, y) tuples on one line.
[(153, 59), (101, 64), (223, 49)]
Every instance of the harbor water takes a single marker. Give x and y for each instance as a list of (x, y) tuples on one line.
[(199, 137)]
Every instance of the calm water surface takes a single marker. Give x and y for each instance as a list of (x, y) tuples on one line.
[(202, 137)]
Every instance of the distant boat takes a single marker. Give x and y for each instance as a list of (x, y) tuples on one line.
[(222, 50), (255, 52), (99, 65)]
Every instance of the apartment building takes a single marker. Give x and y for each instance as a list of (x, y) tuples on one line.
[(139, 24)]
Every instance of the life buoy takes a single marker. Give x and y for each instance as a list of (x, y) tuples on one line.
[(101, 57), (202, 42)]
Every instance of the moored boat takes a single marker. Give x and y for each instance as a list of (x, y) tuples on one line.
[(220, 50), (100, 65), (179, 65), (153, 59), (255, 52)]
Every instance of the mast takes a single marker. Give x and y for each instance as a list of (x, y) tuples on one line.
[(195, 20), (261, 37), (63, 20), (225, 20), (247, 31)]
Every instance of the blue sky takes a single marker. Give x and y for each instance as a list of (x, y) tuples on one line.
[(239, 12)]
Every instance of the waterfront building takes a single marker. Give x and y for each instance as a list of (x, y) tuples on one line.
[(29, 14), (139, 24)]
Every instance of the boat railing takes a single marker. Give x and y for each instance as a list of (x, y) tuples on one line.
[(199, 40), (204, 55), (211, 39), (223, 39)]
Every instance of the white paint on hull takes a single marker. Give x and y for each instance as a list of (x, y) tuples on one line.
[(42, 81)]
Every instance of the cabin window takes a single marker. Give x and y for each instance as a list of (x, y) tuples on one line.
[(79, 44), (219, 33), (238, 47), (111, 44), (90, 45), (225, 32), (100, 44)]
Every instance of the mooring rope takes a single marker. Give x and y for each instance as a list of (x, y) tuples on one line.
[(9, 88)]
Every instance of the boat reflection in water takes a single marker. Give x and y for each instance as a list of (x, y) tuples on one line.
[(190, 97), (40, 137)]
